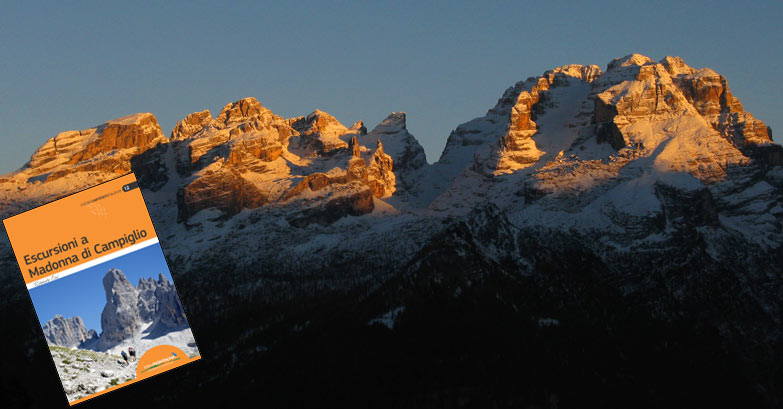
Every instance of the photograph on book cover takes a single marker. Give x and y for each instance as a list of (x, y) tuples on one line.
[(98, 323)]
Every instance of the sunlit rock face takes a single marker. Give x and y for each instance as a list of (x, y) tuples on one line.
[(319, 133), (81, 158), (249, 157)]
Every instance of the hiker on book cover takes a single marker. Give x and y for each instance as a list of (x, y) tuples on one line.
[(124, 356), (132, 353)]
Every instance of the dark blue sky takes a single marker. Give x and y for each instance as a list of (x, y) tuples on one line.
[(66, 66), (82, 293)]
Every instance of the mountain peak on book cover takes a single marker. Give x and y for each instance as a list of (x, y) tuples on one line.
[(103, 332)]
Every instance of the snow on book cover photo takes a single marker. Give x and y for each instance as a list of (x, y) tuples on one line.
[(102, 289)]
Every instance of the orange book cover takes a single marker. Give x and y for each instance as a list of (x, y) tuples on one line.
[(101, 288)]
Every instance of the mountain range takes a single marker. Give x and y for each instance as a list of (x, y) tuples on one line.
[(598, 236)]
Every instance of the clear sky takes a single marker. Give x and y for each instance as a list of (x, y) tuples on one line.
[(73, 65), (82, 293)]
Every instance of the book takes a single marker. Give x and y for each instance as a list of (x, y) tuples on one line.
[(101, 289)]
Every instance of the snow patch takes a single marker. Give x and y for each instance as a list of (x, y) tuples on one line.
[(388, 318)]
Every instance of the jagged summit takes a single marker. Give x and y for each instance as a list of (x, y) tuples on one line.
[(358, 128), (676, 66), (191, 124), (398, 142), (319, 133), (393, 123), (249, 157), (242, 110), (120, 317), (628, 60)]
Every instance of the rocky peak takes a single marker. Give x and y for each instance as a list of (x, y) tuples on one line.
[(678, 113), (673, 91), (319, 133), (318, 121), (75, 160), (242, 135), (356, 149), (398, 143), (120, 318), (315, 121), (627, 61), (676, 66), (191, 124), (66, 332), (394, 123), (116, 285), (241, 111), (380, 173), (650, 93), (357, 167), (358, 128)]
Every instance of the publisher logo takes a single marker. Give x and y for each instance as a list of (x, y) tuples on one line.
[(159, 359)]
